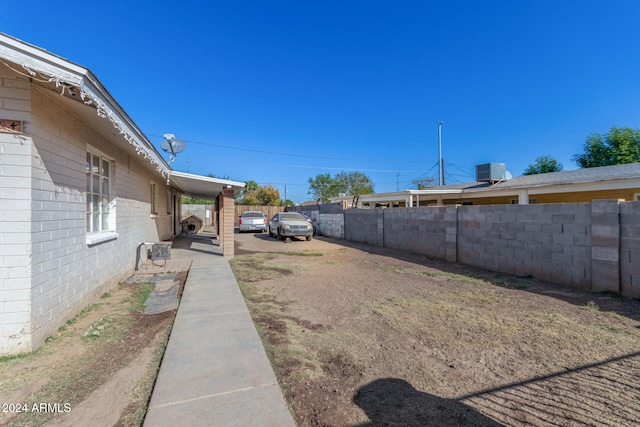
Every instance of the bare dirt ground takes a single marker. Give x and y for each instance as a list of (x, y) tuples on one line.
[(98, 370), (370, 337)]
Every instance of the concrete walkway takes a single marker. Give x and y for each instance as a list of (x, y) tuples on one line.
[(215, 371)]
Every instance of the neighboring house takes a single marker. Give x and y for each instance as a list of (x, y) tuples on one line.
[(582, 185), (80, 187)]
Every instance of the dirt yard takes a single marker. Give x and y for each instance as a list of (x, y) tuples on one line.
[(98, 370), (360, 336)]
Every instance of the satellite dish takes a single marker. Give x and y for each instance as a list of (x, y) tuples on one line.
[(508, 175), (173, 146)]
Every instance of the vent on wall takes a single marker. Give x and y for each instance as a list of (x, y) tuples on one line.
[(491, 172)]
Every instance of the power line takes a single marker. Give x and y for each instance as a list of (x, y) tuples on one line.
[(253, 150)]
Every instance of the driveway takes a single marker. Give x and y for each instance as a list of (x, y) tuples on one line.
[(261, 242)]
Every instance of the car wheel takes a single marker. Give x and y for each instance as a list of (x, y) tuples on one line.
[(309, 238)]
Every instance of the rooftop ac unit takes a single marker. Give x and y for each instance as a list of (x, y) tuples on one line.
[(491, 172)]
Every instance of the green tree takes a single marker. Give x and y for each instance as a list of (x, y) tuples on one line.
[(249, 188), (353, 183), (269, 196), (324, 186), (186, 200), (255, 195), (543, 164), (620, 145)]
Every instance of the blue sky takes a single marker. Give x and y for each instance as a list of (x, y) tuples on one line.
[(278, 92)]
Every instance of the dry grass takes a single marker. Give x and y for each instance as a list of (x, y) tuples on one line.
[(491, 341), (79, 358)]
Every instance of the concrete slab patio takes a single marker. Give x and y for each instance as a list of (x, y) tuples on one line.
[(215, 371)]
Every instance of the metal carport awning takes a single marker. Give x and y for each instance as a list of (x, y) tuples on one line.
[(202, 187)]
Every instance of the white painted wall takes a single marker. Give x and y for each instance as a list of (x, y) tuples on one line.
[(48, 272), (15, 221)]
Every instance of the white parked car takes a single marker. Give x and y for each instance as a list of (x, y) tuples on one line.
[(252, 221), (290, 224)]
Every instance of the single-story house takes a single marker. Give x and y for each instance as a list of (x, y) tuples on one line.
[(582, 185), (80, 187)]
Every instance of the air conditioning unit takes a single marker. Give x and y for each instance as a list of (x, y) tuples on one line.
[(161, 250), (491, 172)]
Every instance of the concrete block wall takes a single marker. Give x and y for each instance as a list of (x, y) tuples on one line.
[(328, 218), (416, 230), (331, 225), (605, 245), (451, 233), (630, 249), (594, 245), (48, 271), (58, 215), (331, 220), (364, 226), (15, 245), (15, 218), (548, 241)]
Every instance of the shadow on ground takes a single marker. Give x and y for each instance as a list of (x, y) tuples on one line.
[(395, 402), (544, 400)]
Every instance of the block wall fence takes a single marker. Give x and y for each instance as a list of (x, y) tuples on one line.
[(593, 246)]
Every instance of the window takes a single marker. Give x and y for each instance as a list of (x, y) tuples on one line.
[(99, 185), (154, 191), (168, 202)]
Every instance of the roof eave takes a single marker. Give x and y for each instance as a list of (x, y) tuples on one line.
[(39, 63)]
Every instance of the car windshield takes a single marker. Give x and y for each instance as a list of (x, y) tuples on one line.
[(292, 217), (253, 215)]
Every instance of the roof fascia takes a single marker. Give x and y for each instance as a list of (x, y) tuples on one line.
[(202, 178), (555, 188), (40, 64), (399, 195), (591, 186)]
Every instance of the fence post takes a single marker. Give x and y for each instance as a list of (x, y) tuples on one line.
[(451, 232), (605, 245)]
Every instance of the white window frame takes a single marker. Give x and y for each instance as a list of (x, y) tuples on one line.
[(100, 214)]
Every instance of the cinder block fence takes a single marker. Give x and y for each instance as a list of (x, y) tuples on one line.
[(593, 246)]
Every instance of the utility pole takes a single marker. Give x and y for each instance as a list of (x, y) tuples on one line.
[(440, 164)]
